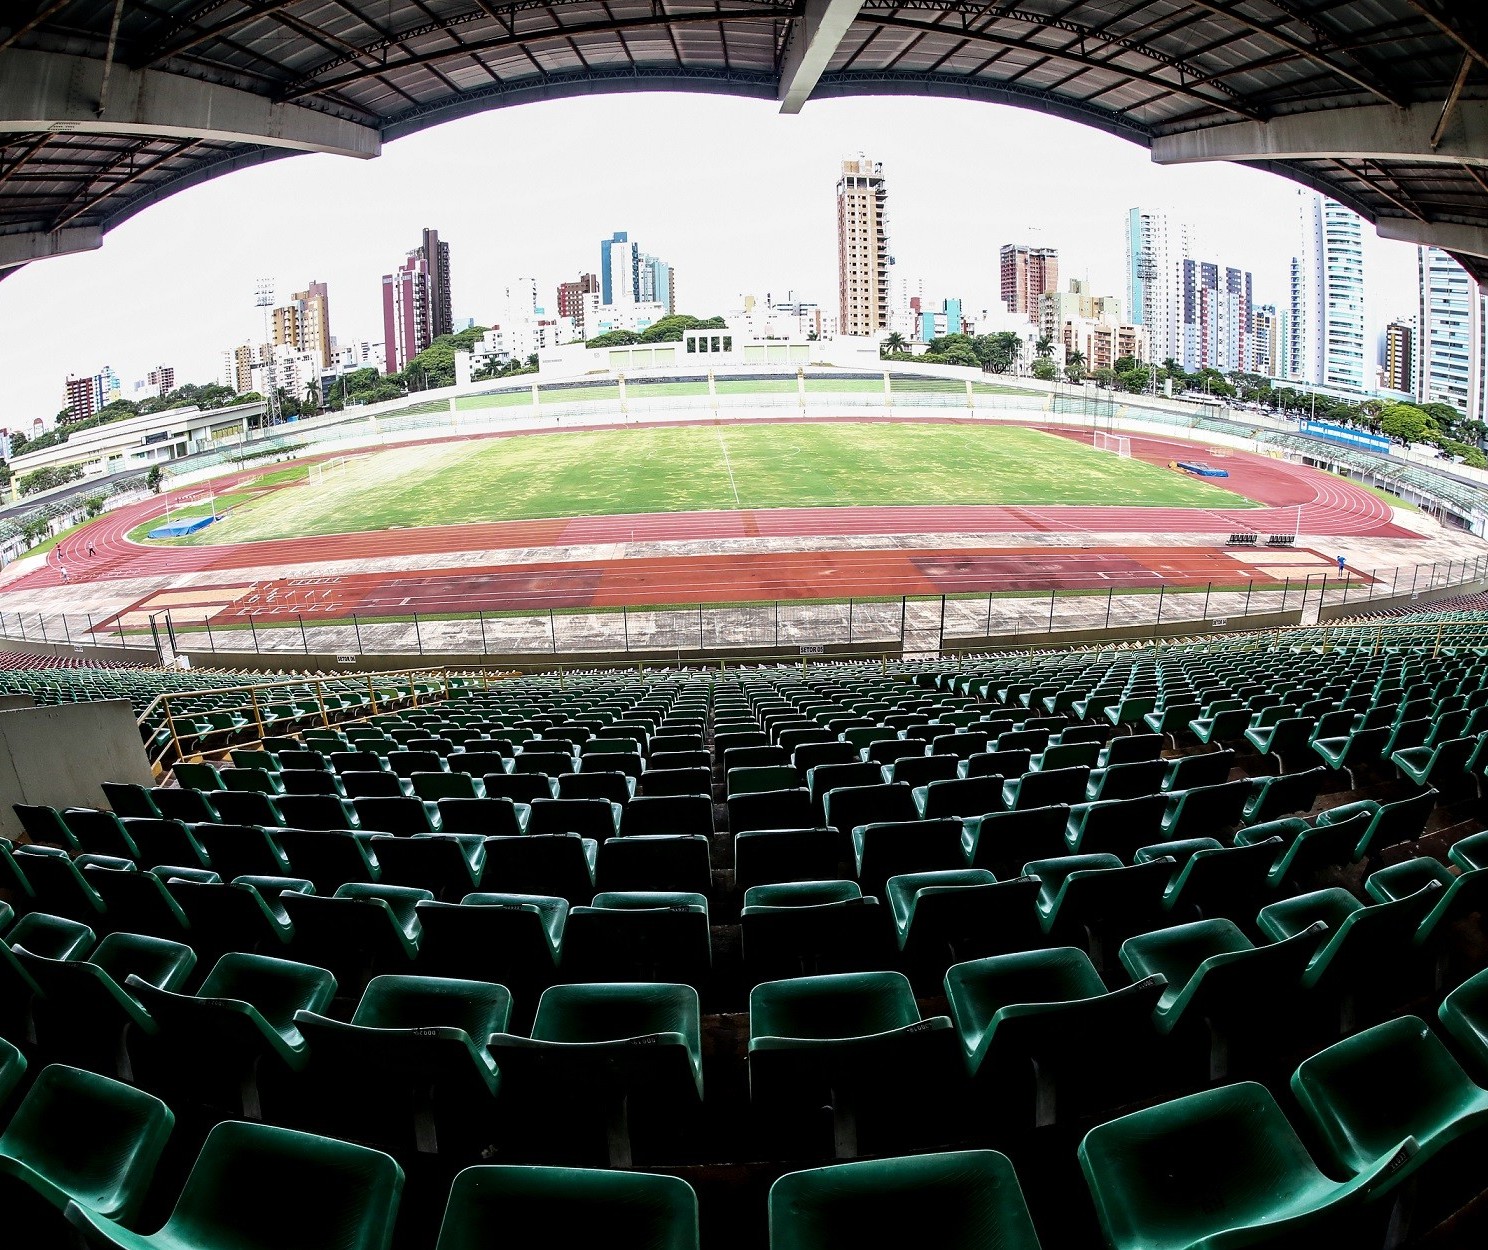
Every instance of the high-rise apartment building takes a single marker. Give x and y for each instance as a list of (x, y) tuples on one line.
[(407, 327), (1398, 358), (1327, 296), (1216, 328), (304, 323), (88, 395), (1155, 251), (162, 380), (1026, 273), (863, 258), (436, 255), (1450, 366), (628, 275), (1053, 308), (1265, 324), (571, 300)]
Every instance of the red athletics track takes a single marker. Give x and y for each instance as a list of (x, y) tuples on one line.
[(716, 579), (1329, 506)]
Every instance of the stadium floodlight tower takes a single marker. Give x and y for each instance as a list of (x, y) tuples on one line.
[(263, 297)]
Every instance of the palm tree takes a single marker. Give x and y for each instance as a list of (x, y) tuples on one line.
[(1044, 348), (312, 396), (1074, 365), (892, 345)]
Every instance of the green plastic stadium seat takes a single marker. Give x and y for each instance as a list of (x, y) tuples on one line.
[(639, 935), (1464, 1014), (411, 1067), (1098, 900), (1044, 789), (768, 856), (510, 939), (945, 917), (1223, 1168), (576, 1207), (887, 848), (163, 841), (774, 809), (1314, 849), (99, 833), (489, 817), (668, 813), (251, 781), (959, 797), (129, 799), (541, 863), (78, 1137), (447, 864), (57, 884), (1115, 826), (655, 861), (328, 857), (255, 1187), (82, 1012), (1027, 1024), (1003, 842), (220, 1045), (1228, 881), (605, 1066), (969, 1199), (1225, 1001), (12, 1070), (804, 928), (1273, 797), (854, 1042), (1439, 766), (1367, 1093), (358, 932)]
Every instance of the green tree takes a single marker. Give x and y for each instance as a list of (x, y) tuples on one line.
[(48, 478), (1043, 369), (154, 478), (312, 396), (1407, 422), (892, 345), (94, 505), (1044, 347), (1074, 365), (1136, 379), (614, 338), (1104, 377)]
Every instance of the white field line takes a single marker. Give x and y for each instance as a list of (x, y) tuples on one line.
[(727, 465)]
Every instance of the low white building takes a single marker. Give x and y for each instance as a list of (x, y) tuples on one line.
[(138, 442)]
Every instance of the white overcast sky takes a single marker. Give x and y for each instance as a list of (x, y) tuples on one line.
[(738, 198)]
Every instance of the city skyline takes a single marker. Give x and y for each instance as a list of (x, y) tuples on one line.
[(344, 222)]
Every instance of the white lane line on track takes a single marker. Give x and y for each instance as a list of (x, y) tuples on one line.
[(733, 486)]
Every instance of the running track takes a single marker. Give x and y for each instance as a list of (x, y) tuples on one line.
[(1328, 506)]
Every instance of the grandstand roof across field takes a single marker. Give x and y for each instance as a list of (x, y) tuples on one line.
[(107, 108)]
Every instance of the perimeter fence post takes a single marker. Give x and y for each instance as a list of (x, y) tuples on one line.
[(1208, 590), (1162, 591), (700, 606), (1285, 590), (553, 638), (1110, 592), (304, 638), (625, 625), (777, 622), (66, 632), (940, 645), (211, 642), (418, 634), (849, 622), (1249, 586), (253, 633), (903, 620), (988, 632), (21, 621), (1050, 630), (482, 616)]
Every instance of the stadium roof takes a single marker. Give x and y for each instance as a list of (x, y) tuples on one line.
[(107, 106)]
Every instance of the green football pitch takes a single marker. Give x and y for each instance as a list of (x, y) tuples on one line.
[(703, 467)]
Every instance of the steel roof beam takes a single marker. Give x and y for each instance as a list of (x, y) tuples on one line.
[(814, 39), (1450, 236), (1367, 132), (22, 249), (47, 91)]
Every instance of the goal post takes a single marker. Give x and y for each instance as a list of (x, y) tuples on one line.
[(1118, 443), (323, 469)]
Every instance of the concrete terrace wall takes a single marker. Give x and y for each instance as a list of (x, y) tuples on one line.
[(58, 755), (1348, 611)]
